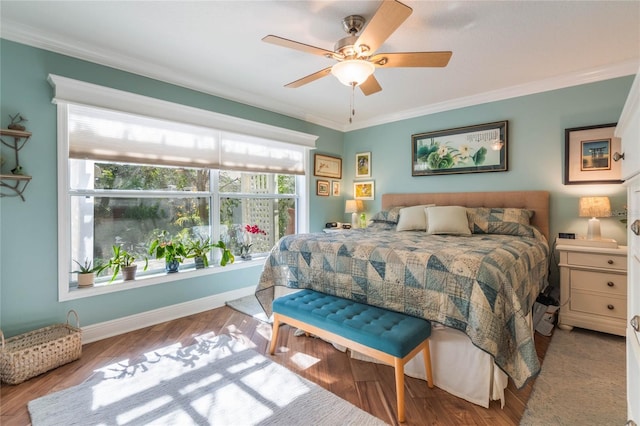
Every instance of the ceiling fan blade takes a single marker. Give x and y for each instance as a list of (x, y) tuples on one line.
[(389, 16), (411, 59), (370, 86), (310, 78), (279, 41)]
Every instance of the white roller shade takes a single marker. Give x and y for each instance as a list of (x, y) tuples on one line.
[(106, 135), (248, 153)]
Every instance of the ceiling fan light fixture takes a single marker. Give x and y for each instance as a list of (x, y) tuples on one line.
[(353, 71)]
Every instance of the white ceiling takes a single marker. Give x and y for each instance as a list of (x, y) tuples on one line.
[(500, 49)]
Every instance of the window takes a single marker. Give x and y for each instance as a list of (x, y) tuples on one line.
[(125, 178)]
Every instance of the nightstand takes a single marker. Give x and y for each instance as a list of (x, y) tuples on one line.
[(593, 288)]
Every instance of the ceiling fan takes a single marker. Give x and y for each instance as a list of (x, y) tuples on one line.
[(356, 55)]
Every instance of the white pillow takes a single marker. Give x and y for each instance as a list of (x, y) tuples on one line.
[(448, 220), (413, 218)]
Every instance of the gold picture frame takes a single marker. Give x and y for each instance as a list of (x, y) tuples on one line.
[(327, 166), (363, 165), (322, 188)]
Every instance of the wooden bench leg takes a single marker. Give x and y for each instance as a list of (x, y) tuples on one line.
[(399, 367), (274, 333), (426, 354)]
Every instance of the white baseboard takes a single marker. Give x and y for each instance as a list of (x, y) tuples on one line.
[(94, 332)]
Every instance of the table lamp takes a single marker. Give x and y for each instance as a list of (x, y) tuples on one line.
[(353, 207), (594, 207)]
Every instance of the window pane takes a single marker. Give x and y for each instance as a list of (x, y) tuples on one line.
[(256, 183), (132, 223), (274, 217), (86, 174)]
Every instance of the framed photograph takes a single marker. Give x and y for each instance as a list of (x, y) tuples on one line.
[(363, 164), (470, 149), (335, 188), (590, 155), (364, 190), (327, 166), (322, 188)]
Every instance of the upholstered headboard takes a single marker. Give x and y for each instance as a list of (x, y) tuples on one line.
[(538, 201)]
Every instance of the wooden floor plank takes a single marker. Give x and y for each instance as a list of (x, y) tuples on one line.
[(367, 385)]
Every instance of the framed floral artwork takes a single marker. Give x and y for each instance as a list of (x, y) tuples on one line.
[(364, 190), (327, 166), (322, 188), (590, 155), (363, 164), (335, 188), (470, 149)]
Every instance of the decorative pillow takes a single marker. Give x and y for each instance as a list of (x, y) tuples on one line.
[(390, 215), (381, 226), (447, 220), (413, 218), (506, 221)]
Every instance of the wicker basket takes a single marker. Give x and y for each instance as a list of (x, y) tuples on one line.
[(27, 355)]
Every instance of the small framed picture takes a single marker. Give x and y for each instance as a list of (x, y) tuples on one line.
[(322, 188), (327, 166), (363, 164), (364, 190), (590, 155), (335, 188)]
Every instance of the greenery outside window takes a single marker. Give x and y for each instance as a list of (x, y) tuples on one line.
[(125, 177)]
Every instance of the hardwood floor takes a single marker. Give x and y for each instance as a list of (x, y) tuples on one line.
[(366, 385)]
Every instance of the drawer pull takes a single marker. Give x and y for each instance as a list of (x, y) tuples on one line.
[(635, 323), (610, 262), (610, 307), (610, 283), (635, 227)]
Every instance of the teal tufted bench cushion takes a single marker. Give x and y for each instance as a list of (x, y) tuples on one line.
[(390, 332)]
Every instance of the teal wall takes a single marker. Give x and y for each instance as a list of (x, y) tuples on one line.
[(28, 231), (535, 152)]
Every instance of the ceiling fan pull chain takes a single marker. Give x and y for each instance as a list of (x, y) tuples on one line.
[(352, 106)]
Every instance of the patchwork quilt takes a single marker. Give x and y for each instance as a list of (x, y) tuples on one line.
[(483, 284)]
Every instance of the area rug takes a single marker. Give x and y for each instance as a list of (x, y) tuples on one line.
[(215, 382), (249, 305), (582, 381)]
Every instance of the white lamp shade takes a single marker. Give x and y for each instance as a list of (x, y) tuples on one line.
[(353, 71), (353, 206)]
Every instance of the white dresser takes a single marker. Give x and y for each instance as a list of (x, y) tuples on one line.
[(628, 129)]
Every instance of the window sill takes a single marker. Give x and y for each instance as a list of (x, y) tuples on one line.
[(73, 292)]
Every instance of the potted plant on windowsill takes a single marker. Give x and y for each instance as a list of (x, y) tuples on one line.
[(122, 259), (86, 272), (200, 247), (173, 250)]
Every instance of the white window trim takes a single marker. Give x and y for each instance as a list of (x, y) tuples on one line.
[(74, 91)]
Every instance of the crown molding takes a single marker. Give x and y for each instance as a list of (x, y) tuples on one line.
[(34, 37), (559, 82)]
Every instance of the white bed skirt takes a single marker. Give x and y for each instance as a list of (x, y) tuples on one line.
[(459, 367)]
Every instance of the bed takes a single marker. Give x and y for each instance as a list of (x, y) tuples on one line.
[(477, 288)]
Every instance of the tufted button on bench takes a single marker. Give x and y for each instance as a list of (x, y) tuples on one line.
[(390, 337)]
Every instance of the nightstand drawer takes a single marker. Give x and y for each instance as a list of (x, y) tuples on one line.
[(599, 281), (593, 260), (593, 304)]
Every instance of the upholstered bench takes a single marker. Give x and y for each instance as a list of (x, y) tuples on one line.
[(390, 337)]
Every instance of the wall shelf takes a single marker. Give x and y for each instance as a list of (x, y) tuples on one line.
[(13, 185)]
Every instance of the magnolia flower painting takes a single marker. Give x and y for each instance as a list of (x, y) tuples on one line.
[(464, 150)]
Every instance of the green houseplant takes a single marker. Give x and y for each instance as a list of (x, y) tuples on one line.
[(172, 250), (86, 272), (122, 259), (199, 248)]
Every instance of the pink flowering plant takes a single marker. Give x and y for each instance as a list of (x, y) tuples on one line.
[(247, 240)]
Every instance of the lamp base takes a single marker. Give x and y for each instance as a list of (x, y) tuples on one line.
[(593, 232), (354, 220)]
